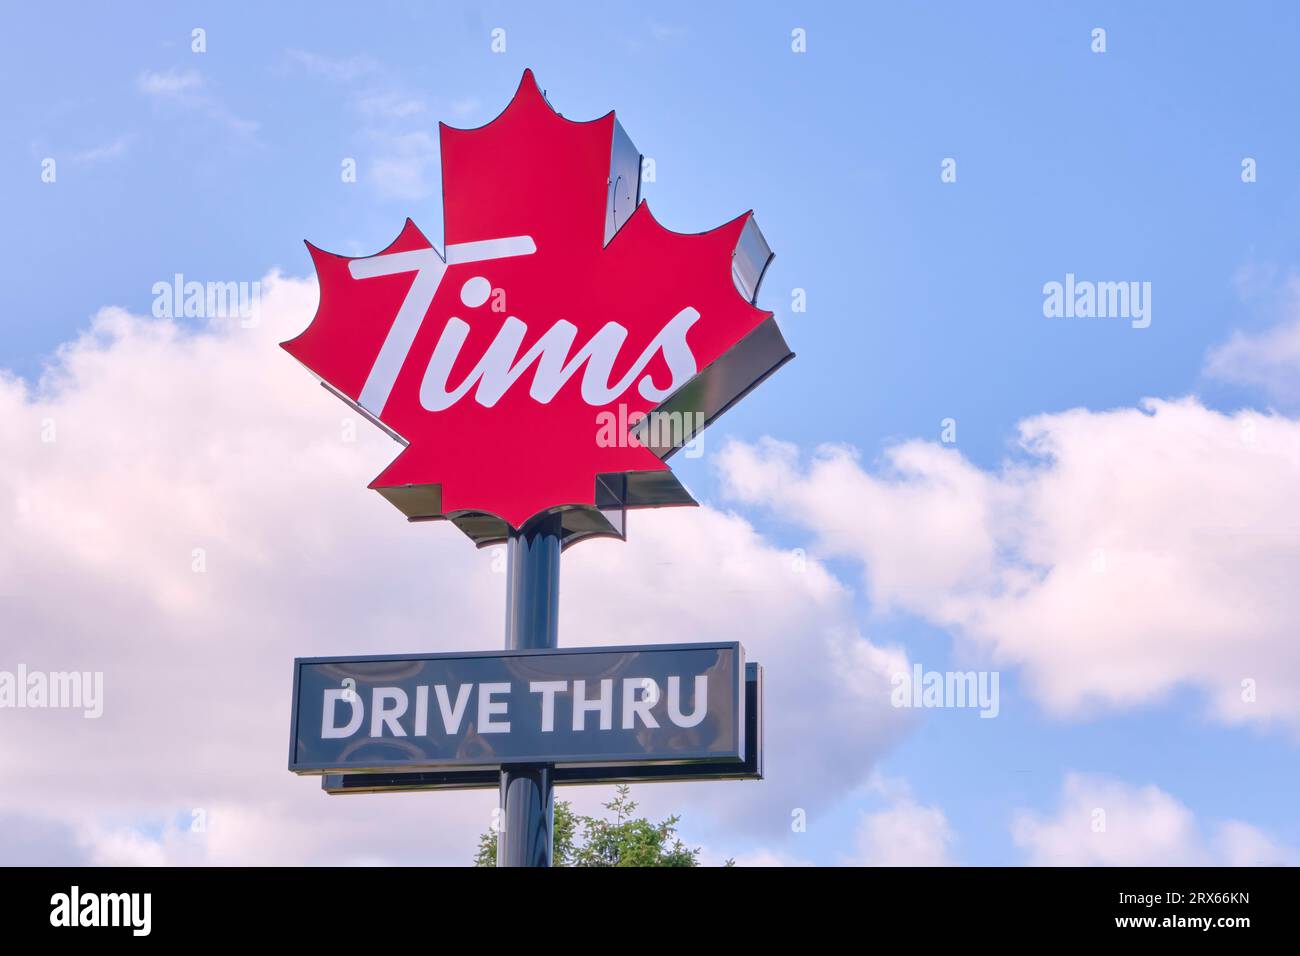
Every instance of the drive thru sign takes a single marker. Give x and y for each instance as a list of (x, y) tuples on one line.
[(678, 704), (529, 371)]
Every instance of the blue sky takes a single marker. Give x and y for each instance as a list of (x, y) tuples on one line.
[(924, 298)]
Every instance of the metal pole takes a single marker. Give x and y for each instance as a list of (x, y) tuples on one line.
[(532, 619)]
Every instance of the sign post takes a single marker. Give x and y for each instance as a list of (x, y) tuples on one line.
[(532, 623), (539, 371)]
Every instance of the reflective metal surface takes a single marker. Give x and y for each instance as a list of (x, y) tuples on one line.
[(624, 181), (533, 585), (532, 623), (722, 384), (750, 260), (527, 829)]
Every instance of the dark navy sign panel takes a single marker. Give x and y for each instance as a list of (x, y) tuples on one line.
[(675, 703), (474, 778)]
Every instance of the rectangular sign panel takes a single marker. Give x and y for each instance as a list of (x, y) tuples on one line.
[(751, 768), (670, 704)]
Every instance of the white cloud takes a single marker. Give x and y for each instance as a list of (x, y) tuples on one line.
[(167, 440), (371, 90), (188, 90), (1268, 360), (389, 105), (103, 152), (761, 857), (396, 123), (339, 69), (905, 834), (1105, 822), (1240, 844), (169, 83), (901, 833), (1124, 554)]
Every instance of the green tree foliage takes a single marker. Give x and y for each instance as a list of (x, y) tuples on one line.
[(624, 840)]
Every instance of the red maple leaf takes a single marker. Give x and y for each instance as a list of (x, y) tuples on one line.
[(553, 306)]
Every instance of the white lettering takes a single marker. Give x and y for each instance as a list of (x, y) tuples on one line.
[(675, 701), (548, 689), (634, 707), (452, 716), (382, 715), (501, 365), (604, 704), (488, 708), (328, 729)]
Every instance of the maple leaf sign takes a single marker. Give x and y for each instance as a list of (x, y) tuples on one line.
[(558, 305)]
